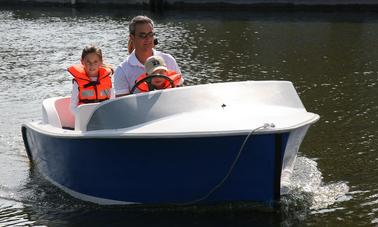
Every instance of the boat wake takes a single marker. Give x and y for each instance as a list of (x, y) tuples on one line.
[(307, 188)]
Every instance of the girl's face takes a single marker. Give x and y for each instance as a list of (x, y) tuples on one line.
[(92, 62)]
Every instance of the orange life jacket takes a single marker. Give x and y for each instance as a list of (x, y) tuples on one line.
[(143, 87), (92, 91)]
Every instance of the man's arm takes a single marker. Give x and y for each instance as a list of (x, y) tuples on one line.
[(172, 65), (120, 82)]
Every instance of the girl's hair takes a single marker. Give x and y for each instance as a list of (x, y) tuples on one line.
[(130, 46), (91, 49)]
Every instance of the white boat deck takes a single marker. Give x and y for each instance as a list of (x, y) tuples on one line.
[(213, 109), (227, 120)]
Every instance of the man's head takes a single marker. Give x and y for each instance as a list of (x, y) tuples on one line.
[(141, 31)]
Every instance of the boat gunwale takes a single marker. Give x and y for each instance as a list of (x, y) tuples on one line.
[(122, 134)]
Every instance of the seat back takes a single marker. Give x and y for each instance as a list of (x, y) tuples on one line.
[(49, 113), (67, 119), (56, 112), (83, 114)]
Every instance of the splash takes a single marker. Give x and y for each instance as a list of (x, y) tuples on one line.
[(306, 187)]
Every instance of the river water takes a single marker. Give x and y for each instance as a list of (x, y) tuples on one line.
[(332, 59)]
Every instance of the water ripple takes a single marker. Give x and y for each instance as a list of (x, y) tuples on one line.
[(332, 65), (12, 215)]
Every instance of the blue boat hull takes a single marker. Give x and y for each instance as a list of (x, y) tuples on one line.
[(161, 170)]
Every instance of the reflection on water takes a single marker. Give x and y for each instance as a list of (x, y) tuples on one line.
[(52, 207), (12, 214), (330, 57)]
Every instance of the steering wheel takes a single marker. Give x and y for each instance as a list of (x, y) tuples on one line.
[(148, 80)]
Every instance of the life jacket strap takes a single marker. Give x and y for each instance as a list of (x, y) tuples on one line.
[(86, 101), (92, 83)]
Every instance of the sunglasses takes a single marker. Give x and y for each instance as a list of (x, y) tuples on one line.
[(143, 35)]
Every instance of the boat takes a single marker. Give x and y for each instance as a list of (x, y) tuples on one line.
[(201, 144)]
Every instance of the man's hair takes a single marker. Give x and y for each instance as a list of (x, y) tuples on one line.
[(139, 20)]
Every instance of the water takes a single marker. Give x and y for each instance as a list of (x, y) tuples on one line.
[(330, 57)]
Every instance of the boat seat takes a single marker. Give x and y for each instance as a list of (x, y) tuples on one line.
[(56, 112), (83, 114), (67, 119)]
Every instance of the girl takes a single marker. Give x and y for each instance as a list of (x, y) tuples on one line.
[(92, 79)]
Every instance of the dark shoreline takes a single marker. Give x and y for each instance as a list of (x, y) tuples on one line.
[(156, 7)]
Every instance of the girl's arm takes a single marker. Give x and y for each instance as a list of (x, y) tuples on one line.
[(74, 98)]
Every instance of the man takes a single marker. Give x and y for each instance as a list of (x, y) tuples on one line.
[(142, 36)]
